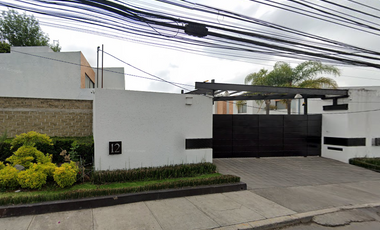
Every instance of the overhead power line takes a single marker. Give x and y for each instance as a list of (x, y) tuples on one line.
[(152, 75), (162, 23), (156, 78)]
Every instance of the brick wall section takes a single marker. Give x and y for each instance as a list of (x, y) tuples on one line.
[(54, 117)]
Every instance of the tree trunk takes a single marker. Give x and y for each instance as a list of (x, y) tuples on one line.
[(288, 106), (267, 106)]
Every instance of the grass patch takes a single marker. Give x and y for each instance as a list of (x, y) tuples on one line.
[(89, 186), (152, 173), (368, 163), (91, 190)]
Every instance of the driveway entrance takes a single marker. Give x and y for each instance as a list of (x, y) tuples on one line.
[(292, 171)]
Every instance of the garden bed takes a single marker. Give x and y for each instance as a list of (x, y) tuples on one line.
[(368, 163), (32, 182), (87, 190)]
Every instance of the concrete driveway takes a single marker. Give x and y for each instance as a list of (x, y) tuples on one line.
[(304, 184), (292, 171)]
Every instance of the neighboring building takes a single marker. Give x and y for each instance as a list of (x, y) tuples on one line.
[(50, 92), (38, 72), (224, 107), (256, 107), (113, 78)]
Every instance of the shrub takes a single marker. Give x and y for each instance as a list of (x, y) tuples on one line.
[(66, 174), (368, 163), (3, 138), (5, 150), (33, 177), (26, 155), (73, 152), (86, 151), (47, 168), (30, 139), (2, 165), (8, 177), (85, 148)]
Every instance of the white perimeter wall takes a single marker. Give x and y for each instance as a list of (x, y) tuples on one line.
[(152, 127), (361, 120)]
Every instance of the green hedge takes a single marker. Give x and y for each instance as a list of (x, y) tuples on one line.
[(157, 173), (224, 179), (85, 149), (368, 163)]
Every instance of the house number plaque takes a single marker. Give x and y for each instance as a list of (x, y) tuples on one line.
[(115, 147)]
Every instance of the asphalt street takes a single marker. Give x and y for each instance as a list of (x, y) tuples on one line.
[(363, 219)]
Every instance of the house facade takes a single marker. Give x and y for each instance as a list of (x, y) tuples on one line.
[(256, 107)]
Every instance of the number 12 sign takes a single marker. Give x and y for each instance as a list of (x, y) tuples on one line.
[(115, 147)]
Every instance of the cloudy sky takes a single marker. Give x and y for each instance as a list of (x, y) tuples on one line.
[(187, 68)]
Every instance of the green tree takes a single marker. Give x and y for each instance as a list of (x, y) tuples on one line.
[(304, 75), (56, 47), (22, 30), (259, 78)]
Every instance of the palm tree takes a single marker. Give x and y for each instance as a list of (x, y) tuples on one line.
[(259, 78), (304, 75)]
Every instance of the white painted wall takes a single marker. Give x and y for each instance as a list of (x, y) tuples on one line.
[(38, 72), (113, 78), (360, 121), (152, 127)]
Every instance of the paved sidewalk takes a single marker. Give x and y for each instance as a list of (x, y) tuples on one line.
[(281, 190)]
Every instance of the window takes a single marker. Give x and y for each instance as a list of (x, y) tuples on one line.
[(89, 83), (242, 108)]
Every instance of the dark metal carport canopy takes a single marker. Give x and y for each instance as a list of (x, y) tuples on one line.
[(268, 93), (263, 92)]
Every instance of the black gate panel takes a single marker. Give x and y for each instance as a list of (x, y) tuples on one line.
[(222, 135), (266, 136), (245, 137), (314, 133)]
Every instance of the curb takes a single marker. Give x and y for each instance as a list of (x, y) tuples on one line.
[(299, 218), (103, 201)]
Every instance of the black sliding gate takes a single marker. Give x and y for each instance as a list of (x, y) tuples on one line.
[(266, 135)]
